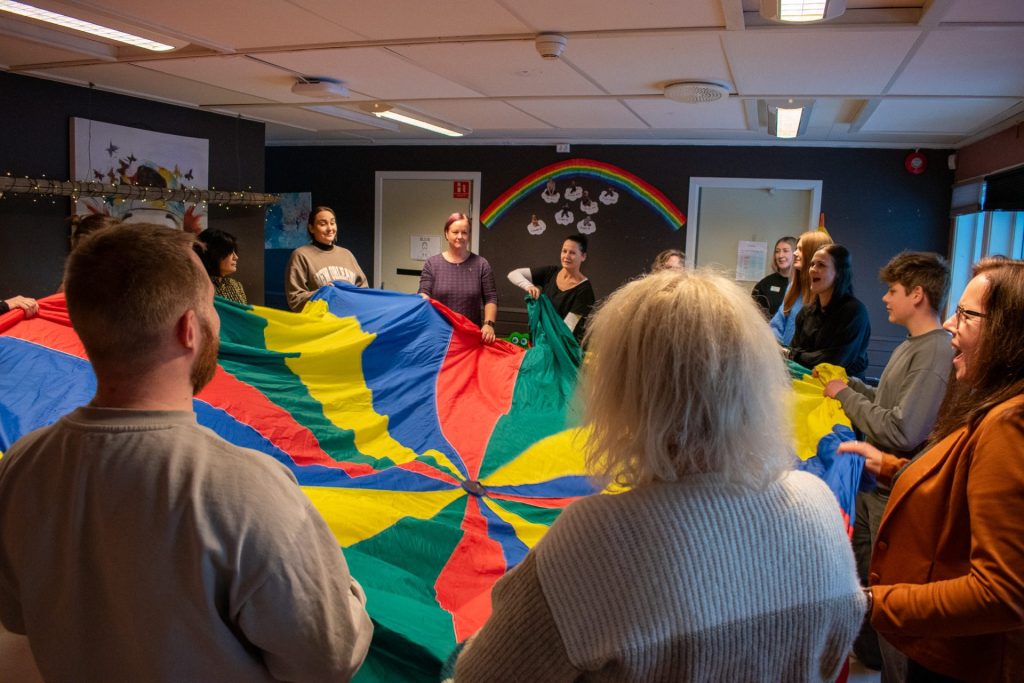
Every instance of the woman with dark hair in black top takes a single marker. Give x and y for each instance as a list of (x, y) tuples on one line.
[(834, 328), (566, 286), (220, 258)]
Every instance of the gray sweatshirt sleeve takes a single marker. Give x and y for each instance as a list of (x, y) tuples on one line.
[(865, 390), (904, 426), (307, 615)]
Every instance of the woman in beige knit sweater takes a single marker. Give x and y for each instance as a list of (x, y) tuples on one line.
[(320, 262), (719, 563)]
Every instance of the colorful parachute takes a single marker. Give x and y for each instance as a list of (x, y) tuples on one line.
[(819, 426), (437, 461)]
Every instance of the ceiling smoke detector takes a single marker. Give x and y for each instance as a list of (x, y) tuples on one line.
[(323, 88), (551, 45), (696, 92)]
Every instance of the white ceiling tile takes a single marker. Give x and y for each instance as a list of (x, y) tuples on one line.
[(582, 113), (985, 10), (640, 64), (659, 112), (374, 73), (964, 116), (392, 18), (873, 4), (480, 114), (131, 78), (594, 15), (500, 69), (237, 73), (967, 62), (304, 118), (815, 61), (234, 23)]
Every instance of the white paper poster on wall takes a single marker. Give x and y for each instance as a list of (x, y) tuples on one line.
[(119, 155), (422, 247), (750, 260)]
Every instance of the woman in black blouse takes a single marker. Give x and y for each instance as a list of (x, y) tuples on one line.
[(835, 327), (567, 287)]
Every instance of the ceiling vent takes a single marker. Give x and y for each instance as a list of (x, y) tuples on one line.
[(322, 88), (696, 92)]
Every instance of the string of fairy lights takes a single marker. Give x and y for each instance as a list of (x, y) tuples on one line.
[(12, 186)]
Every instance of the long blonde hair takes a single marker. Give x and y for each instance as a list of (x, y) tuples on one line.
[(799, 283), (683, 377)]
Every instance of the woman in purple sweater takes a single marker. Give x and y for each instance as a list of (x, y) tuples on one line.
[(461, 280)]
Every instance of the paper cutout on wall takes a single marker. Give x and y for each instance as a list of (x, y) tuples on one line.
[(611, 176)]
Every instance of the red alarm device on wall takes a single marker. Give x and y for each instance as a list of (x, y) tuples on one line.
[(915, 163)]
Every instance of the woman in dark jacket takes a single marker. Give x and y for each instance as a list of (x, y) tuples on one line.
[(835, 327)]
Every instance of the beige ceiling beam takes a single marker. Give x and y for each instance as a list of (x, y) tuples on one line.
[(933, 12), (620, 96), (733, 11)]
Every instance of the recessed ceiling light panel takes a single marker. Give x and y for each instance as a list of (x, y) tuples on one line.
[(802, 11)]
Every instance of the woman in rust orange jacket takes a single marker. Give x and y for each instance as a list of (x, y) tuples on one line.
[(947, 572)]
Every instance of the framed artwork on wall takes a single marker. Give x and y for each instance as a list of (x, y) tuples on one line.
[(116, 155)]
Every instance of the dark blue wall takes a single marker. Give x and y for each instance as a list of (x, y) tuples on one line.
[(35, 142), (872, 205)]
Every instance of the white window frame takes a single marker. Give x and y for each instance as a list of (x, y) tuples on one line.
[(977, 235)]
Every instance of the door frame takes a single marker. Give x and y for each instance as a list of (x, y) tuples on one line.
[(378, 207), (699, 183)]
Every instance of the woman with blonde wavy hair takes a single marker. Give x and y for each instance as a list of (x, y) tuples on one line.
[(783, 323), (718, 562)]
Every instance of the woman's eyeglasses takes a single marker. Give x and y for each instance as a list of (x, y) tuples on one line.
[(962, 313)]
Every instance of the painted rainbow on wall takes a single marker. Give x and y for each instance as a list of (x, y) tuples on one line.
[(613, 175)]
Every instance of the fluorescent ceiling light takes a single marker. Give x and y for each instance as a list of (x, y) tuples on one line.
[(787, 122), (353, 116), (402, 118), (785, 118), (802, 11), (38, 14)]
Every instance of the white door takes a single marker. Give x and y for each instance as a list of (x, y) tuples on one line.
[(738, 221), (411, 211)]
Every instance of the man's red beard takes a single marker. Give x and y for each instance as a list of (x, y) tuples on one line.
[(205, 364)]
